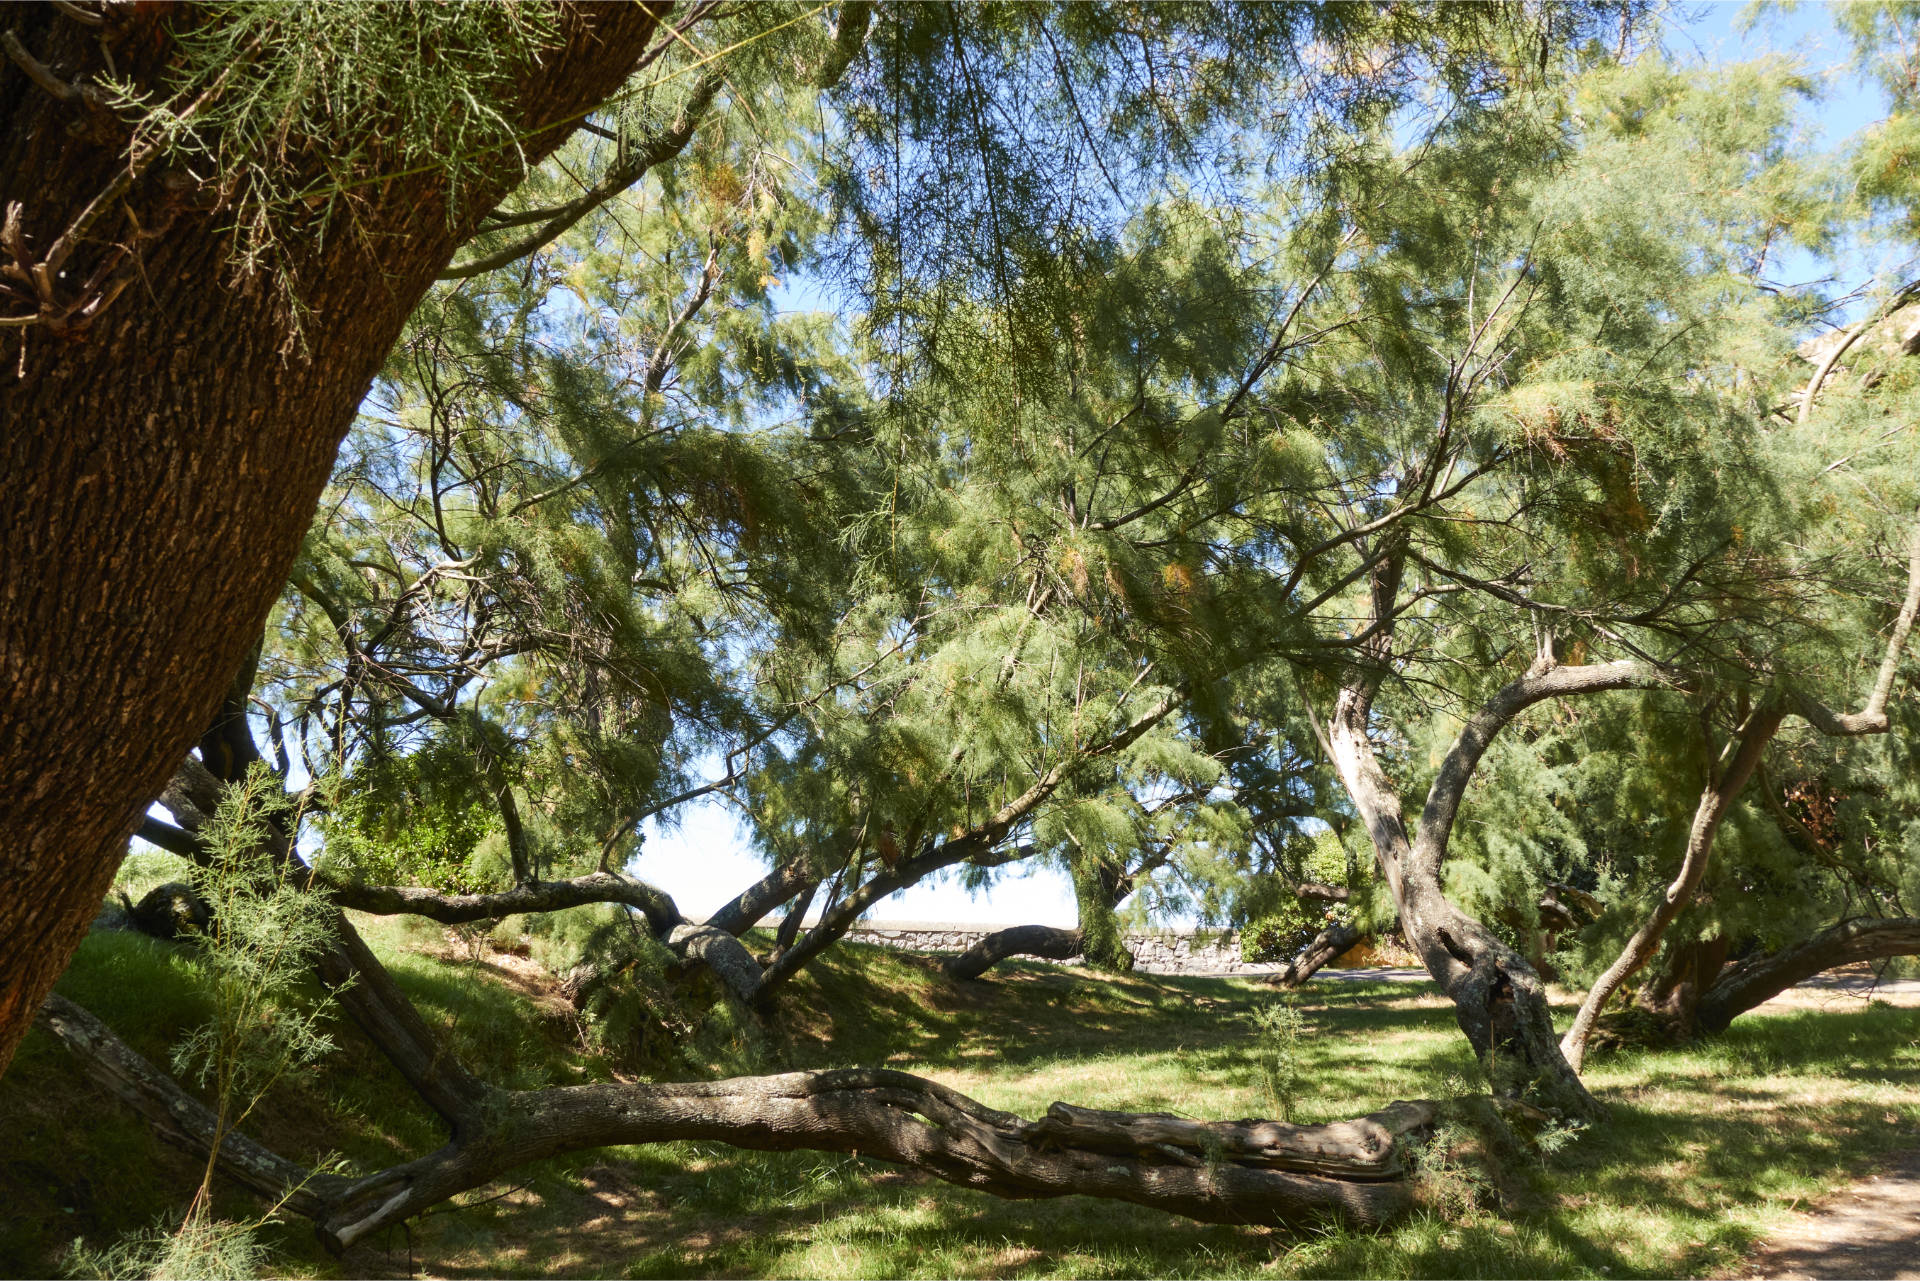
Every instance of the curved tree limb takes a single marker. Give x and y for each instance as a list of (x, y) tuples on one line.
[(180, 1118), (1330, 942), (1049, 942), (1499, 1000), (1872, 719), (1742, 986), (536, 896), (1900, 299), (1249, 1171)]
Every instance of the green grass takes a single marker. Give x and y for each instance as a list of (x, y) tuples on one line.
[(1707, 1149)]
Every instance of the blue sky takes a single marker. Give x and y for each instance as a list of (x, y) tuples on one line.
[(704, 860)]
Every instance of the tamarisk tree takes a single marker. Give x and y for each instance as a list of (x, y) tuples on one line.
[(957, 587)]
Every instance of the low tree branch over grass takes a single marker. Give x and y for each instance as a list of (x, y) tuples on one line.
[(1765, 975), (1224, 1172)]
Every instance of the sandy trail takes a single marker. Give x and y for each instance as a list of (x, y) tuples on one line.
[(1870, 1229)]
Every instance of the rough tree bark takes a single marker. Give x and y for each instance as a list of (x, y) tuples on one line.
[(1747, 983), (164, 453), (1686, 973), (745, 909)]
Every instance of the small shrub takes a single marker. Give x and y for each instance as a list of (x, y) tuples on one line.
[(202, 1247), (1278, 1027)]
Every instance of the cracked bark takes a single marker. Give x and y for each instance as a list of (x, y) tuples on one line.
[(164, 463)]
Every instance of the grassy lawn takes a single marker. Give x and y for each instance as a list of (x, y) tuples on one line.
[(1707, 1147)]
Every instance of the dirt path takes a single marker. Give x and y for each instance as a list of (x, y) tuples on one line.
[(1871, 1229)]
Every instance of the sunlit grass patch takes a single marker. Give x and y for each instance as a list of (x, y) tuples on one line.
[(1708, 1147)]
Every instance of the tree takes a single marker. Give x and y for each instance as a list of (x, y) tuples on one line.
[(1510, 382), (247, 203), (176, 407), (997, 529)]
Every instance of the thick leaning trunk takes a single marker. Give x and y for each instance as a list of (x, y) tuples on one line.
[(1690, 970), (1744, 985), (1337, 938), (164, 461), (178, 1117), (1498, 1000), (780, 885), (1049, 942), (1714, 804), (1219, 1172)]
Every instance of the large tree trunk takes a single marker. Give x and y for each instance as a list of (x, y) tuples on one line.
[(1221, 1172), (163, 458), (1748, 983)]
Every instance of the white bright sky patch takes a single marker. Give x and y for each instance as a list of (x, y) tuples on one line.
[(704, 860)]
